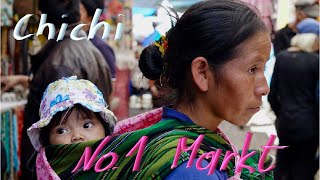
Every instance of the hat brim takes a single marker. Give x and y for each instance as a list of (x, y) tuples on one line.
[(34, 131)]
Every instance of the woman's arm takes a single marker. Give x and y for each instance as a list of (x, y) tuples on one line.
[(8, 82)]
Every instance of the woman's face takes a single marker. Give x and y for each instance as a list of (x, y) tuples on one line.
[(239, 95), (77, 128), (84, 16)]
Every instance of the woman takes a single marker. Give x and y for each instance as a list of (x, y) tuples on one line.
[(213, 58)]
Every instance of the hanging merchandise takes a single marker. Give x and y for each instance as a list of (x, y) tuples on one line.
[(14, 60), (11, 130), (6, 58), (19, 50), (118, 14), (6, 12), (23, 7)]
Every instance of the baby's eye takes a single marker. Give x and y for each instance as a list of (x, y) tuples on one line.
[(88, 125), (62, 130)]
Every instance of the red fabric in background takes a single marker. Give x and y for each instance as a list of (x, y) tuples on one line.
[(122, 92), (265, 8), (20, 115)]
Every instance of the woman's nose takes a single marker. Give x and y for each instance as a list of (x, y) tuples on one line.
[(262, 88)]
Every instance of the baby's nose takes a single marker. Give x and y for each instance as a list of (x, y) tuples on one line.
[(77, 137)]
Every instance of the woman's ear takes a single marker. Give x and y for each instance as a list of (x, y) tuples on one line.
[(200, 73)]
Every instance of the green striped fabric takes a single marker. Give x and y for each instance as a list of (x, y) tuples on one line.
[(157, 157)]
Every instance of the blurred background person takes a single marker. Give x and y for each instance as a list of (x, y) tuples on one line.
[(87, 10), (283, 36), (293, 98)]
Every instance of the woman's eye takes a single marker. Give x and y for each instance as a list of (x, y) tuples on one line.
[(87, 125), (253, 70), (62, 130)]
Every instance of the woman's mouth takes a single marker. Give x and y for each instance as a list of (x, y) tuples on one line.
[(254, 110)]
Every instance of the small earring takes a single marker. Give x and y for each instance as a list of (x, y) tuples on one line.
[(161, 80)]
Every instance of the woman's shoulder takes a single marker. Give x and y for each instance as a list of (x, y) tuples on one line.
[(138, 122)]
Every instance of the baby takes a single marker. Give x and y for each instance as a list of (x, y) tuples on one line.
[(71, 111)]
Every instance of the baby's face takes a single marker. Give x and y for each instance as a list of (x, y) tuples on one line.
[(77, 128)]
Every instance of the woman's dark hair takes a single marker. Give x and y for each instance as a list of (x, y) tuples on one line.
[(60, 117), (92, 5), (56, 8), (210, 29)]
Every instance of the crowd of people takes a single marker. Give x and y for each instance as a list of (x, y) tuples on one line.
[(207, 69), (294, 95)]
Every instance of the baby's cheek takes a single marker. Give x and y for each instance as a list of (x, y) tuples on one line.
[(99, 134), (60, 139)]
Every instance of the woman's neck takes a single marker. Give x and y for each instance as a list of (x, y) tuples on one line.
[(200, 114)]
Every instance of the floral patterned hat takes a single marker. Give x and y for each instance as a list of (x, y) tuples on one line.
[(63, 94)]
